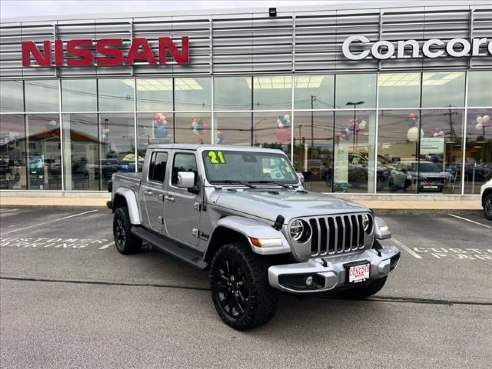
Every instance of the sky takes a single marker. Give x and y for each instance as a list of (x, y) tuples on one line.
[(44, 8)]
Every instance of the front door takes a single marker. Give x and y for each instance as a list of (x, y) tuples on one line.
[(182, 208)]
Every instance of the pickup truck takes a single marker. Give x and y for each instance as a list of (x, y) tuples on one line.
[(243, 214)]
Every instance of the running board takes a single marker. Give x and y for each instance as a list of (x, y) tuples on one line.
[(183, 253)]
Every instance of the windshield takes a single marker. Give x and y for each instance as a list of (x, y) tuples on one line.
[(226, 167)]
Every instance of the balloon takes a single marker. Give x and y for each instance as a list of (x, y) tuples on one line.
[(160, 131), (362, 124), (479, 126), (486, 120), (220, 137), (413, 134), (412, 120), (479, 119)]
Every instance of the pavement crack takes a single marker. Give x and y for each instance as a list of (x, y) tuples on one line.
[(103, 283)]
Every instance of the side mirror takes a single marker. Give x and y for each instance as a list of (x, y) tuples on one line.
[(186, 180)]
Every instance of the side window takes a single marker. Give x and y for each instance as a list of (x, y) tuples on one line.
[(184, 163), (157, 168)]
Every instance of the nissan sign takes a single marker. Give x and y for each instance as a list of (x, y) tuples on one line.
[(360, 47), (105, 52)]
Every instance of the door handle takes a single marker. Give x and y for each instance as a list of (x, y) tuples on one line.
[(169, 198), (148, 193)]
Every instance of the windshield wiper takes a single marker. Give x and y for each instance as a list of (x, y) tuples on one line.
[(232, 181), (273, 182)]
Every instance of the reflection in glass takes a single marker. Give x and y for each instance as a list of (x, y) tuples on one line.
[(192, 94), (232, 93), (399, 90), (272, 92), (354, 151), (273, 130), (233, 129), (79, 95), (116, 94), (153, 128), (314, 92), (117, 145), (443, 89), (11, 97), (480, 88), (478, 156), (313, 148), (81, 154), (193, 128), (155, 95), (13, 167), (43, 152), (356, 87), (42, 96)]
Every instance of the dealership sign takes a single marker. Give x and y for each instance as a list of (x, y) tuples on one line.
[(106, 52), (359, 47)]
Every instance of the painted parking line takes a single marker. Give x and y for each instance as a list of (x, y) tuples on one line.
[(106, 246), (406, 248), (3, 211), (50, 222), (471, 221)]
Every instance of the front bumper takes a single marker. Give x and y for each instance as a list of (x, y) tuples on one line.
[(329, 273)]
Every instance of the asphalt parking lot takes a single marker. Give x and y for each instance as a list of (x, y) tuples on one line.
[(69, 300)]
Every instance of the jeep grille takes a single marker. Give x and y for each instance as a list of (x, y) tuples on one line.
[(337, 234)]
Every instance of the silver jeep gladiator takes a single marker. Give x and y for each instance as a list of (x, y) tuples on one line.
[(243, 214)]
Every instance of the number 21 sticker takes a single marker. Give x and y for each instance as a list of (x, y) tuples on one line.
[(216, 157)]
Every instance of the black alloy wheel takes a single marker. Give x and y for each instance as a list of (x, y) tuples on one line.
[(239, 286), (126, 243), (487, 206)]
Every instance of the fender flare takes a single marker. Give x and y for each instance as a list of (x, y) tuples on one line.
[(131, 203), (250, 228)]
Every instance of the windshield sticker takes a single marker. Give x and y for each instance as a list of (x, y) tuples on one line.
[(216, 157)]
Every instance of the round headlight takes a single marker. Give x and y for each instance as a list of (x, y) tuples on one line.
[(299, 231)]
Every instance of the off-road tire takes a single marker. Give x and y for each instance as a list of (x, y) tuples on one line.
[(487, 206), (239, 286), (126, 242), (364, 291)]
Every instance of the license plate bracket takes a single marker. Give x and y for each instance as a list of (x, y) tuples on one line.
[(357, 272)]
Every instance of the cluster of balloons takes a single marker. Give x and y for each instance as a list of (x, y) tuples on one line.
[(199, 126), (437, 132), (283, 121), (413, 127), (160, 125), (482, 121), (353, 126), (283, 131)]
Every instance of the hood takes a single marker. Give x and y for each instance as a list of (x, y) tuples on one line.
[(290, 204)]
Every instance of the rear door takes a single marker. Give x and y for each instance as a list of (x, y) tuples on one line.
[(152, 192)]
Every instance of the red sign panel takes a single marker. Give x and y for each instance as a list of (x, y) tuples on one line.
[(104, 52)]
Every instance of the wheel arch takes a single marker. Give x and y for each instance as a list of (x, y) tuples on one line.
[(488, 191), (126, 197)]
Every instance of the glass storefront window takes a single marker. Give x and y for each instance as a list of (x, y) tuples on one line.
[(478, 156), (117, 145), (193, 128), (13, 167), (443, 89), (272, 130), (355, 88), (233, 129), (153, 128), (79, 95), (155, 95), (11, 96), (192, 94), (80, 151), (314, 92), (116, 94), (354, 151), (232, 93), (42, 96), (43, 152), (313, 148), (399, 90), (480, 88), (272, 92)]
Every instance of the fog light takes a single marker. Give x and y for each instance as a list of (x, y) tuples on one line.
[(309, 281)]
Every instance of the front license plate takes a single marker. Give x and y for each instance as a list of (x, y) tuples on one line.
[(358, 273)]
